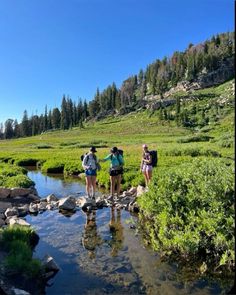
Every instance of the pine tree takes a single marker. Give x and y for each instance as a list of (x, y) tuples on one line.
[(9, 131), (25, 125), (56, 118)]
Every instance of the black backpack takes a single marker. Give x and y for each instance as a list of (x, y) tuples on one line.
[(154, 158)]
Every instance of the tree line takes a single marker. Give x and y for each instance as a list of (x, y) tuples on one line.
[(159, 77)]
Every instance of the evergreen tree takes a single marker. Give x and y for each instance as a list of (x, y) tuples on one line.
[(25, 125), (56, 118), (9, 131), (45, 124)]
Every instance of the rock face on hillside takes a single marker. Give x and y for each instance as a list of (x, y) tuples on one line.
[(204, 80)]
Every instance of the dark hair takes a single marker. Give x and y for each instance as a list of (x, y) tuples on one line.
[(114, 150)]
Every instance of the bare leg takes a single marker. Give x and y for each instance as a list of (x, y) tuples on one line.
[(145, 177), (118, 184), (112, 179), (93, 182), (88, 185), (149, 176)]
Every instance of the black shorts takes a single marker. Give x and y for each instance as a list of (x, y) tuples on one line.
[(115, 172)]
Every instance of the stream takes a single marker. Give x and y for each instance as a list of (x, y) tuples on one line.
[(102, 252)]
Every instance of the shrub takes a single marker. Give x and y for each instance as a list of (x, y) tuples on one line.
[(197, 138), (19, 181), (17, 241), (190, 211), (53, 166)]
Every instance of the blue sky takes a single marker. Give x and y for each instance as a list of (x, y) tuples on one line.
[(53, 47)]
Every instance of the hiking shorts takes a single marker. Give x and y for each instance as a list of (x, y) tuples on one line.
[(90, 172), (115, 172), (146, 168)]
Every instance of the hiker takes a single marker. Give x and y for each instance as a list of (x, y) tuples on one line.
[(116, 170), (90, 165), (146, 165)]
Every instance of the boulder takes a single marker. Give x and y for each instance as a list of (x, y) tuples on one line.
[(51, 198), (4, 192), (33, 197), (140, 190), (42, 206), (49, 263), (2, 222), (23, 210), (86, 203), (68, 203), (133, 207), (4, 206), (11, 212), (20, 192), (33, 208), (133, 190), (17, 221)]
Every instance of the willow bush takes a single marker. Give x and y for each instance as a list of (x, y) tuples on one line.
[(189, 211)]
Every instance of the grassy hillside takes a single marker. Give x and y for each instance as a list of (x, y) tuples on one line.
[(59, 151)]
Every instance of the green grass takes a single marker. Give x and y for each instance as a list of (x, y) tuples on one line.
[(16, 240)]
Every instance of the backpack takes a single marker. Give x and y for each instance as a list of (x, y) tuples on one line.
[(120, 152), (82, 158), (154, 158)]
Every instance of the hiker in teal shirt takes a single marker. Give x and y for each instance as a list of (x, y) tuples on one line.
[(116, 169)]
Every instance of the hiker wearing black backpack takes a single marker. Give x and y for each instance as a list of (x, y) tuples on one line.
[(90, 165), (149, 160), (116, 169)]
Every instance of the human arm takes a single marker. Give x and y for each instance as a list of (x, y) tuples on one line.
[(105, 159)]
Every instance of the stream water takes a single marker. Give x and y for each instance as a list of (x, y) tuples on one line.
[(102, 253)]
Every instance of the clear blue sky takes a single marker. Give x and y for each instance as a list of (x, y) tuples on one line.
[(53, 47)]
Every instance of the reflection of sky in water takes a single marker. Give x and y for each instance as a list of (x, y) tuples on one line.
[(132, 267), (46, 185)]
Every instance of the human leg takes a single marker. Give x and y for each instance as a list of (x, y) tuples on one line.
[(88, 185), (118, 179), (93, 184), (112, 180)]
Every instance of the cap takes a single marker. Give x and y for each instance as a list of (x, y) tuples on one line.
[(93, 149), (114, 149), (145, 146)]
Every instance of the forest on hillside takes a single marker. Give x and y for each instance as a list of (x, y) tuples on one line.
[(158, 77)]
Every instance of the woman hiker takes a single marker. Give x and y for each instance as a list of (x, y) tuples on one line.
[(146, 164), (116, 170), (90, 165)]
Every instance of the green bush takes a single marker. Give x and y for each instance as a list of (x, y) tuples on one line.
[(53, 166), (16, 240), (19, 181), (14, 176), (189, 211), (196, 138), (26, 162)]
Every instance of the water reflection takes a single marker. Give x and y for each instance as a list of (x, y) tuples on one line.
[(90, 238), (116, 230), (118, 264)]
